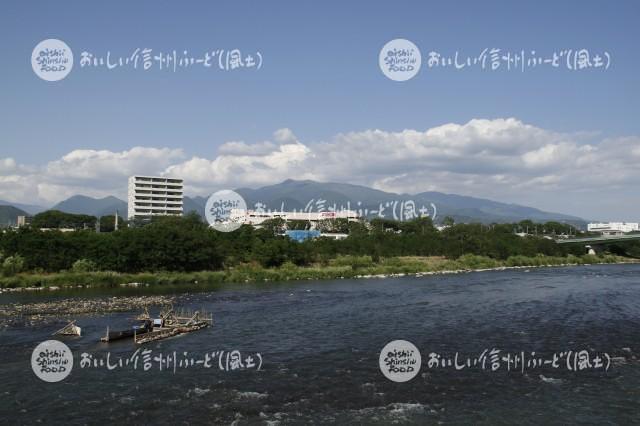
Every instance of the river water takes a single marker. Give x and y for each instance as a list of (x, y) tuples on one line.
[(320, 342)]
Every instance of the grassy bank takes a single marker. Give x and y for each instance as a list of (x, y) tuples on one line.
[(340, 267)]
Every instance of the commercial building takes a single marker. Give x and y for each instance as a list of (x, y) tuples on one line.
[(613, 228), (154, 196), (255, 218)]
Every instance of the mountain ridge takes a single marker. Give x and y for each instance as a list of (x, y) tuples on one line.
[(461, 207), (309, 195), (27, 208), (83, 204)]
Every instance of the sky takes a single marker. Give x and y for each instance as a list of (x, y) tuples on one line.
[(319, 107)]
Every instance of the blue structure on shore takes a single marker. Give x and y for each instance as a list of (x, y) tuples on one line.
[(301, 235)]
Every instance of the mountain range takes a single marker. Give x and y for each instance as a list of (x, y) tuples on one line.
[(300, 194), (81, 204), (310, 195), (28, 208)]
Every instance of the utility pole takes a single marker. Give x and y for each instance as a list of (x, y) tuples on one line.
[(115, 222)]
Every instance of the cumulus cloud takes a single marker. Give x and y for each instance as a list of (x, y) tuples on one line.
[(87, 172), (499, 158), (7, 165), (240, 164), (84, 164)]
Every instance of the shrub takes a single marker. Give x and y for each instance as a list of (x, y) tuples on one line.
[(84, 265), (473, 261), (590, 259), (354, 261), (13, 265)]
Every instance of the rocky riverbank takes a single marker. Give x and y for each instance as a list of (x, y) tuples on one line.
[(49, 311)]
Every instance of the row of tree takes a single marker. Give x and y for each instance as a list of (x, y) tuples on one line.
[(188, 244), (55, 219)]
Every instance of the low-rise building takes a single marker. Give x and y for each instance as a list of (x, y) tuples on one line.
[(613, 228)]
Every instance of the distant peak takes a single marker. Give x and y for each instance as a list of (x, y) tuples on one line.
[(290, 181)]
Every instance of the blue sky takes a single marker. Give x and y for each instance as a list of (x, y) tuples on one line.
[(320, 78)]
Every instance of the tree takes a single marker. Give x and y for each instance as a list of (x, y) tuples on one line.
[(187, 244), (84, 265), (272, 252), (55, 219), (13, 265), (420, 226), (385, 225), (298, 225), (108, 223), (338, 225), (448, 221), (275, 226), (169, 243)]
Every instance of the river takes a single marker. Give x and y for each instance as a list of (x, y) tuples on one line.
[(319, 344)]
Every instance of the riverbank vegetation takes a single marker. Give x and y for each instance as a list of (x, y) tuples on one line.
[(337, 268), (177, 249)]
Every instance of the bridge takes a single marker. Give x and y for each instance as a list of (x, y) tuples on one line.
[(599, 239)]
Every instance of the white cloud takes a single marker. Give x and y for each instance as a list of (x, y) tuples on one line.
[(87, 172), (240, 164), (500, 158), (7, 165), (85, 164)]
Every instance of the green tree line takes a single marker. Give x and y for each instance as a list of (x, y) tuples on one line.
[(187, 244)]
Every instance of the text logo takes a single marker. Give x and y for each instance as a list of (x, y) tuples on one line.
[(225, 210), (52, 60), (400, 60), (52, 361), (400, 361)]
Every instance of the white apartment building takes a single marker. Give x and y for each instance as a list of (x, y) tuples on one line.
[(613, 227), (154, 196)]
